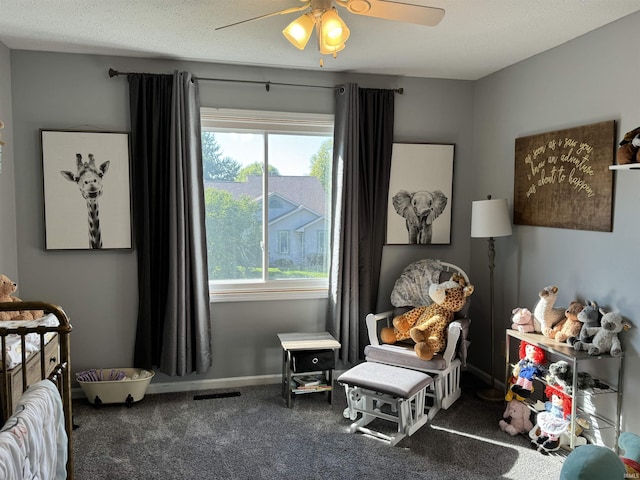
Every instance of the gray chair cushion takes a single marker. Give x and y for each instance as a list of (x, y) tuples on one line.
[(402, 355), (396, 381)]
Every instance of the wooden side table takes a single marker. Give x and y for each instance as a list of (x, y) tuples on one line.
[(305, 353)]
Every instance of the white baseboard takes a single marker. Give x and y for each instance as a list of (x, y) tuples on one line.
[(198, 385)]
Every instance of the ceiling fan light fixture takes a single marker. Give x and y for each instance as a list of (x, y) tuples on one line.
[(333, 31), (359, 7), (299, 31), (330, 50)]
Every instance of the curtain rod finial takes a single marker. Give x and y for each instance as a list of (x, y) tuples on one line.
[(113, 73)]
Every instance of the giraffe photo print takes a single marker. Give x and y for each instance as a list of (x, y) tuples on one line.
[(87, 197)]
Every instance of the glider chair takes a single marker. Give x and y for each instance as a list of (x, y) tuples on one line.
[(411, 290)]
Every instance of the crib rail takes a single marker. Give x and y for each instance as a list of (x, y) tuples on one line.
[(61, 374)]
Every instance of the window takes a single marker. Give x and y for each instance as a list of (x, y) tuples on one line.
[(276, 248), (322, 241), (283, 241)]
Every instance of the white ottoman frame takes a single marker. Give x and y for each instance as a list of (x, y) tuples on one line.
[(369, 386)]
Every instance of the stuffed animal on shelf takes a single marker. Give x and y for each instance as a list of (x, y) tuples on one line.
[(570, 326), (427, 325), (629, 443), (516, 418), (605, 337), (7, 287), (552, 422), (589, 317), (545, 315), (629, 148), (531, 364), (522, 319), (560, 373)]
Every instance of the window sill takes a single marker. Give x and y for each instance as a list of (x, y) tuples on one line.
[(266, 293)]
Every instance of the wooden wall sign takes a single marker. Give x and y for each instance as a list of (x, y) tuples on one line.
[(562, 178)]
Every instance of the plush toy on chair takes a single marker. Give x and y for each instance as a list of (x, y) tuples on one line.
[(7, 287), (427, 325)]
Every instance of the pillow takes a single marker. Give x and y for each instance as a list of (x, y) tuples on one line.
[(412, 287)]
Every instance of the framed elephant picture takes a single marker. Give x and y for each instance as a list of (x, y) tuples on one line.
[(420, 191)]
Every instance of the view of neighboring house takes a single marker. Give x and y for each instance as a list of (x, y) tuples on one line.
[(297, 209)]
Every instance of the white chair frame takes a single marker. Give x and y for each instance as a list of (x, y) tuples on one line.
[(445, 389)]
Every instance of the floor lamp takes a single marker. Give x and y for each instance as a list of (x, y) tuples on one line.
[(489, 219)]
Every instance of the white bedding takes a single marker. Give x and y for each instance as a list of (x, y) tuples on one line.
[(33, 441), (32, 343)]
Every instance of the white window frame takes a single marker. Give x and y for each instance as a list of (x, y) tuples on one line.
[(255, 121)]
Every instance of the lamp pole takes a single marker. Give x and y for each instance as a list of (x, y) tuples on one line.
[(491, 220)]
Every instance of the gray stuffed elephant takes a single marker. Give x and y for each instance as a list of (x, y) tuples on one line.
[(419, 210)]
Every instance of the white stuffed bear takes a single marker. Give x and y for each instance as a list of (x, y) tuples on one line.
[(522, 320)]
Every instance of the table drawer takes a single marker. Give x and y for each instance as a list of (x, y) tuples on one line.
[(312, 360)]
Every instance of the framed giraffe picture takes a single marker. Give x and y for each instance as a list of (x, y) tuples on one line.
[(87, 190)]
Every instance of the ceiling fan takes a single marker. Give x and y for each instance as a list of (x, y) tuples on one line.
[(331, 30)]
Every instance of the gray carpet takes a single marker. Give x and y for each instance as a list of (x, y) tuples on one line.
[(254, 436)]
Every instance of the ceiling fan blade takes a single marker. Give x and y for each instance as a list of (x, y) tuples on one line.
[(390, 10), (281, 12)]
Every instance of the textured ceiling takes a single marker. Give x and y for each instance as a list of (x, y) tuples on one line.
[(475, 38)]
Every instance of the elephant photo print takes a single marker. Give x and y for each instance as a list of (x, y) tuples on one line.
[(420, 190)]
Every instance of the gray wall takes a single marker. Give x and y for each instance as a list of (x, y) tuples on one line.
[(586, 80), (98, 289), (581, 82), (8, 239)]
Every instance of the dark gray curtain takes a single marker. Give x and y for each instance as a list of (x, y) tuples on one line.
[(174, 328), (363, 142)]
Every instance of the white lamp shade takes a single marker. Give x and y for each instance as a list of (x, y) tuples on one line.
[(490, 218), (333, 32), (299, 31), (326, 50)]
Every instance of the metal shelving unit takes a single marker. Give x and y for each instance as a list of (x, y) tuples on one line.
[(582, 406)]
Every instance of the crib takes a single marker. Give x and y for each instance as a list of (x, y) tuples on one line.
[(33, 351)]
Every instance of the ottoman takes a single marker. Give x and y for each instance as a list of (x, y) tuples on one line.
[(370, 386)]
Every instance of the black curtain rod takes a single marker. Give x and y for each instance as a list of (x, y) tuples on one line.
[(267, 84)]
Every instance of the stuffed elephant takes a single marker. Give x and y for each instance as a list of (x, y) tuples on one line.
[(419, 210)]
